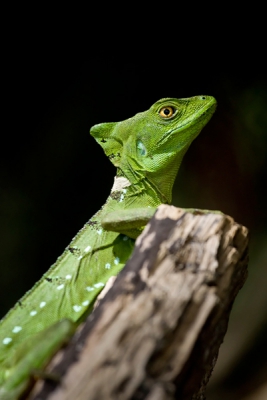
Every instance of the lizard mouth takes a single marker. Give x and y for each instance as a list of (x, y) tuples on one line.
[(208, 109), (204, 114)]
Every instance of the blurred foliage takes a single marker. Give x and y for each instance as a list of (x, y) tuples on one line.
[(54, 177)]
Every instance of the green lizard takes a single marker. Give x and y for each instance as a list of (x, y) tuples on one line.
[(147, 151)]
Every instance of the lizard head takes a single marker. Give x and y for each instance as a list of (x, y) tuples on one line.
[(151, 145)]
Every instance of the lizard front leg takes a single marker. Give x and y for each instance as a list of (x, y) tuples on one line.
[(128, 222)]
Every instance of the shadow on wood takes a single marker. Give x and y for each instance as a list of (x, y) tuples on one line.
[(157, 331)]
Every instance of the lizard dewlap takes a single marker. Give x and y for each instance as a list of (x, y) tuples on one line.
[(147, 151)]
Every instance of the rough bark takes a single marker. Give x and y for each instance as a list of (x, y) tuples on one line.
[(156, 333)]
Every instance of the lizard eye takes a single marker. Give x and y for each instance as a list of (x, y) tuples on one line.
[(166, 112)]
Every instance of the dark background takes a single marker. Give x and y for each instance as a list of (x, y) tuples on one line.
[(54, 176)]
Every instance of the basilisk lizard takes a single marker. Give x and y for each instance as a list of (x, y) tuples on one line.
[(147, 151)]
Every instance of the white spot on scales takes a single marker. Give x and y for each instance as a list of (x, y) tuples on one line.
[(78, 308), (33, 312), (99, 285), (42, 304), (59, 287), (16, 329), (7, 340)]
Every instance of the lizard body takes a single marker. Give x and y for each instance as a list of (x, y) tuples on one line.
[(147, 151)]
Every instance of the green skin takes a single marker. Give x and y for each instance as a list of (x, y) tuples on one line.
[(147, 151)]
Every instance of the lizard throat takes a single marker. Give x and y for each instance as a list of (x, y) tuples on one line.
[(120, 183)]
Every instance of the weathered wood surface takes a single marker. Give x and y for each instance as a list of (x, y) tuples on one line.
[(156, 333)]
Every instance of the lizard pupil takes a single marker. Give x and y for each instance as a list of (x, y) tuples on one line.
[(166, 111)]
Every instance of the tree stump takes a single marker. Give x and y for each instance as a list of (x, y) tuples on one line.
[(156, 333)]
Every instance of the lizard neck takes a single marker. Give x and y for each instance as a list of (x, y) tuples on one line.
[(145, 186), (140, 192)]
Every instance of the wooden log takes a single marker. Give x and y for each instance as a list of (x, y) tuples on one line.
[(157, 332)]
